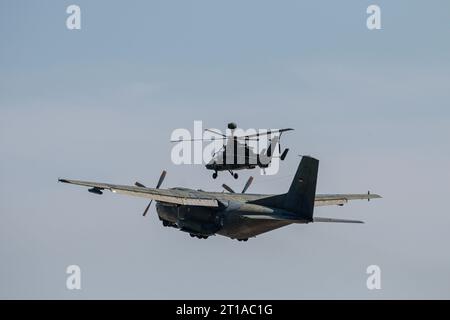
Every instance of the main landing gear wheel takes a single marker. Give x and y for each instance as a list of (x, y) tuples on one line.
[(243, 239), (198, 236), (235, 175), (214, 175)]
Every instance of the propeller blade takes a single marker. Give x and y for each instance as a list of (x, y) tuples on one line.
[(138, 184), (148, 207), (161, 179), (249, 182), (228, 188)]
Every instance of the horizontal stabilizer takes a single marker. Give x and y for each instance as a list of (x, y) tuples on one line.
[(341, 199), (278, 217), (293, 219), (318, 219)]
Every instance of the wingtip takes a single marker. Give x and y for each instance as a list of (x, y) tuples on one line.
[(63, 180)]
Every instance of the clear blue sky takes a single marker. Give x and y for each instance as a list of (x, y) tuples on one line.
[(100, 104)]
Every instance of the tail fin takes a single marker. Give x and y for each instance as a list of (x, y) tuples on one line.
[(302, 192), (299, 200)]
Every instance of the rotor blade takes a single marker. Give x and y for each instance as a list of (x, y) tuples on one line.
[(228, 188), (201, 139), (146, 209), (138, 184), (161, 179), (266, 133), (246, 138), (249, 182), (215, 132)]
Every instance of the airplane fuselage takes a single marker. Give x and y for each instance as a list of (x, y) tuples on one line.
[(226, 221)]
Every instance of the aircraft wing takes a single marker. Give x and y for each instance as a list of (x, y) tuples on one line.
[(341, 199), (175, 196)]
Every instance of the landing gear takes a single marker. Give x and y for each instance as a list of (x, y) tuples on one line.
[(166, 223), (214, 175), (235, 175), (243, 239), (198, 236)]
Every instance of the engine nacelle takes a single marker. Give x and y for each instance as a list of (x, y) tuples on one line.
[(95, 190)]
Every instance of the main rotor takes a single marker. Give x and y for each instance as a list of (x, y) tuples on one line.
[(232, 126)]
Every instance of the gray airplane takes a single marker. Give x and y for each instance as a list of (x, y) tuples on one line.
[(235, 215)]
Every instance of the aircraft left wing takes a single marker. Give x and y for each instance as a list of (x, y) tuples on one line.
[(175, 196)]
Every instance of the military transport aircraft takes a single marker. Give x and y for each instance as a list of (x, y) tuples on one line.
[(236, 215), (236, 153)]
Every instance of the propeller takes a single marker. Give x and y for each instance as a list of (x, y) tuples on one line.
[(228, 188), (249, 182), (160, 181), (247, 185)]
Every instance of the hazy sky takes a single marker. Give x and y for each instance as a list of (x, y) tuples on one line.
[(100, 104)]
